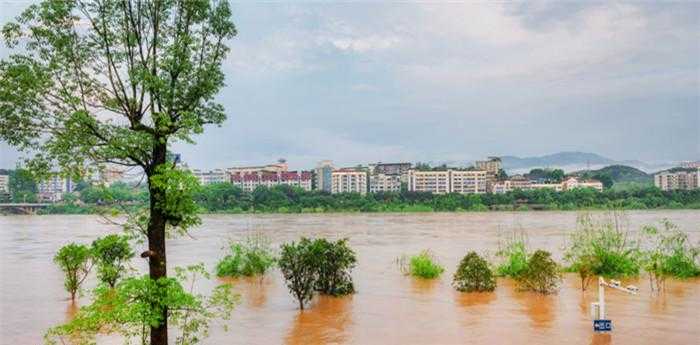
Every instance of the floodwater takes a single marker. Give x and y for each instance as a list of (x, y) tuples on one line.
[(388, 308)]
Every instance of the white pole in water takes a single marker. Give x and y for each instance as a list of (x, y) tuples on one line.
[(601, 298)]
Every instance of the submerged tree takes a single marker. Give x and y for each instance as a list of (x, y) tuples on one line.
[(298, 263), (98, 82), (111, 254), (474, 274), (75, 261)]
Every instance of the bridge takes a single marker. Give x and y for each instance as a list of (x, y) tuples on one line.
[(22, 207)]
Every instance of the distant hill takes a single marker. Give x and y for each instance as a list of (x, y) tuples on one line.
[(572, 161), (621, 173), (556, 160)]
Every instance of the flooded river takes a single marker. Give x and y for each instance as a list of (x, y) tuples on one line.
[(388, 308)]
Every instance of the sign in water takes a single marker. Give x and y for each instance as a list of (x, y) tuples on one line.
[(602, 325)]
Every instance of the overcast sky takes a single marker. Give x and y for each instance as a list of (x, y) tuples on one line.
[(361, 82)]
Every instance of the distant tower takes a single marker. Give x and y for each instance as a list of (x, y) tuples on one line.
[(324, 171)]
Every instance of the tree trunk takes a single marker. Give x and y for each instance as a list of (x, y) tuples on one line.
[(156, 240)]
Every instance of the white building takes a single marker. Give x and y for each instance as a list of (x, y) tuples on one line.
[(572, 183), (384, 183), (212, 176), (436, 182), (349, 180), (468, 182), (280, 166), (54, 188), (685, 179), (4, 183), (249, 181)]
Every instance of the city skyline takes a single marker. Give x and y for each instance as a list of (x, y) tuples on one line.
[(359, 83)]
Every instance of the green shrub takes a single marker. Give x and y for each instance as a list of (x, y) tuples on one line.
[(252, 257), (513, 254), (473, 274), (111, 254), (423, 265), (336, 261), (669, 254), (298, 263), (602, 247), (75, 261), (542, 274)]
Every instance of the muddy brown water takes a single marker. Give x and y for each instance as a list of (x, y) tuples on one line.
[(388, 308)]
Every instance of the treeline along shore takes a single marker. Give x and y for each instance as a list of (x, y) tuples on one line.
[(226, 198)]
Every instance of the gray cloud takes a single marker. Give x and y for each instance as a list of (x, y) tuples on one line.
[(358, 82)]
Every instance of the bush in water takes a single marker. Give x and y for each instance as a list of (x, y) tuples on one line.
[(111, 254), (602, 247), (75, 261), (474, 274), (252, 257), (336, 261), (298, 263), (513, 253), (669, 254), (422, 265), (541, 275)]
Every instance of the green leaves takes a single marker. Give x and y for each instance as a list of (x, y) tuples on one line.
[(111, 253), (541, 275), (174, 197), (473, 274), (137, 303), (75, 260), (252, 257), (317, 265), (422, 265)]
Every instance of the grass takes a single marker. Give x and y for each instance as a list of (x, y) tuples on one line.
[(422, 265), (513, 253), (254, 256)]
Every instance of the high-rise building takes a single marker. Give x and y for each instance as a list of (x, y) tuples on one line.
[(384, 183), (323, 176), (492, 165), (678, 179), (54, 188), (349, 180)]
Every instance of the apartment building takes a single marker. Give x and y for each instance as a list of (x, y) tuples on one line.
[(54, 188), (4, 183), (249, 181), (211, 176), (436, 182), (683, 179), (469, 181), (349, 180), (492, 165), (323, 175), (384, 183)]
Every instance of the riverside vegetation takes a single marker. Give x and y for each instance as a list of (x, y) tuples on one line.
[(227, 198), (123, 303)]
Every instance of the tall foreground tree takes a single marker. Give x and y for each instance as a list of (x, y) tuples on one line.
[(97, 82)]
